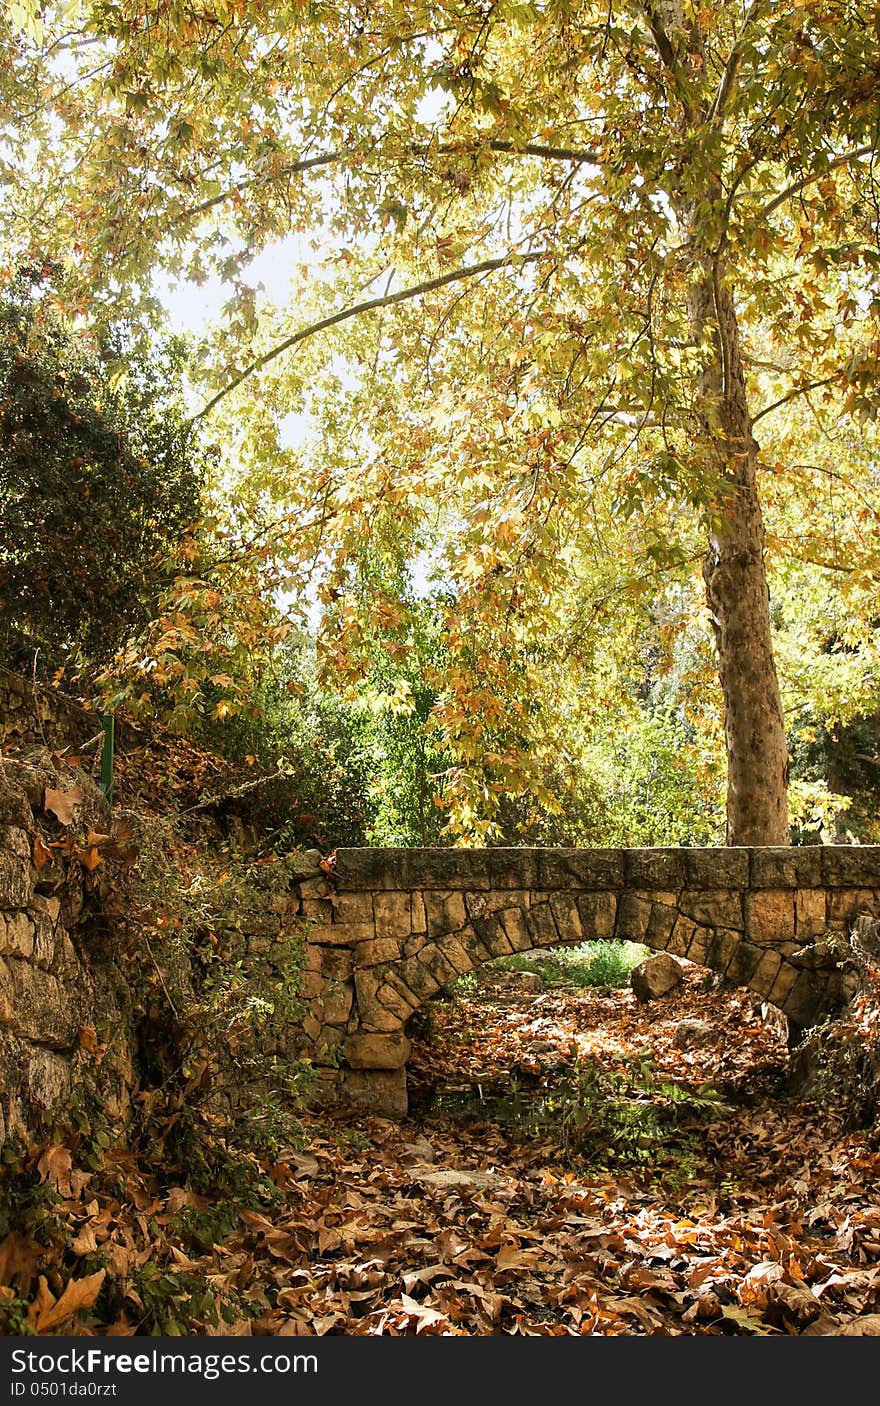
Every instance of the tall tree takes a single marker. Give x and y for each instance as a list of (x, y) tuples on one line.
[(617, 235)]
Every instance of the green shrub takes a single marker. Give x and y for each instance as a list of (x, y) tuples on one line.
[(606, 963), (100, 477)]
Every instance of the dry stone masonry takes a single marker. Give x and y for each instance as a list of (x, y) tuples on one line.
[(387, 929), (63, 1005)]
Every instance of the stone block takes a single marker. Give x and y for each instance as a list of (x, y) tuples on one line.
[(680, 938), (713, 908), (432, 958), (353, 908), (508, 868), (850, 866), (366, 870), (311, 984), (16, 839), (16, 935), (340, 934), (698, 943), (379, 1091), (304, 864), (7, 996), (744, 963), (817, 956), (765, 973), (783, 984), (397, 999), (633, 916), (393, 914), (414, 943), (16, 881), (716, 868), (493, 936), (589, 869), (770, 915), (335, 1004), (786, 867), (445, 913), (456, 953), (722, 946), (371, 1014), (660, 926), (566, 917), (334, 963), (655, 976), (381, 949), (14, 807), (598, 914), (45, 1009), (418, 978), (311, 1027), (329, 1044), (46, 1079), (477, 950), (810, 912), (516, 929), (845, 906), (317, 910), (805, 999), (315, 888), (418, 913), (541, 925), (377, 1051), (655, 869)]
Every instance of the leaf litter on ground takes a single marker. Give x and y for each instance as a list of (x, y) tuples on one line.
[(765, 1222)]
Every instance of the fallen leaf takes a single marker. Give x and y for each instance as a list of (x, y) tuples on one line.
[(62, 804), (78, 1294), (54, 1167), (41, 853)]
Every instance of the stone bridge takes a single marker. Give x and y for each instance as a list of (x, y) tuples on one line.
[(386, 929)]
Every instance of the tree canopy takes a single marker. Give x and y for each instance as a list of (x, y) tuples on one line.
[(581, 322)]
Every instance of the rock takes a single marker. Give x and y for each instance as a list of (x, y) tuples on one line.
[(420, 1152), (377, 1051), (452, 1179), (693, 1034), (655, 976), (529, 982), (381, 1091)]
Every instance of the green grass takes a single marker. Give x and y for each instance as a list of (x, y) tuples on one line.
[(588, 964)]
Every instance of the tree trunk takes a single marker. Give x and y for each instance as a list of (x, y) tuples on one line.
[(736, 582)]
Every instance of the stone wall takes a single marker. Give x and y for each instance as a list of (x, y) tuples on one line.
[(34, 716), (390, 928), (63, 1005)]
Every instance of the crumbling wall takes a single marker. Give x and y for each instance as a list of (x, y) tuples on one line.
[(64, 1005)]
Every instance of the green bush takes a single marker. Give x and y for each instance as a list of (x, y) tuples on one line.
[(588, 964), (100, 477)]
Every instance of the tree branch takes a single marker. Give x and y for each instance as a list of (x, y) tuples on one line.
[(814, 176), (731, 67), (328, 158), (798, 390), (386, 300)]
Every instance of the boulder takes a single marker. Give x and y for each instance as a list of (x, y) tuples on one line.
[(693, 1034), (530, 982), (655, 976)]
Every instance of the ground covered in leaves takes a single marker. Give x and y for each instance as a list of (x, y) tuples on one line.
[(568, 1169)]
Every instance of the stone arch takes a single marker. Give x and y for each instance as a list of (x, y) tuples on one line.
[(391, 928)]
